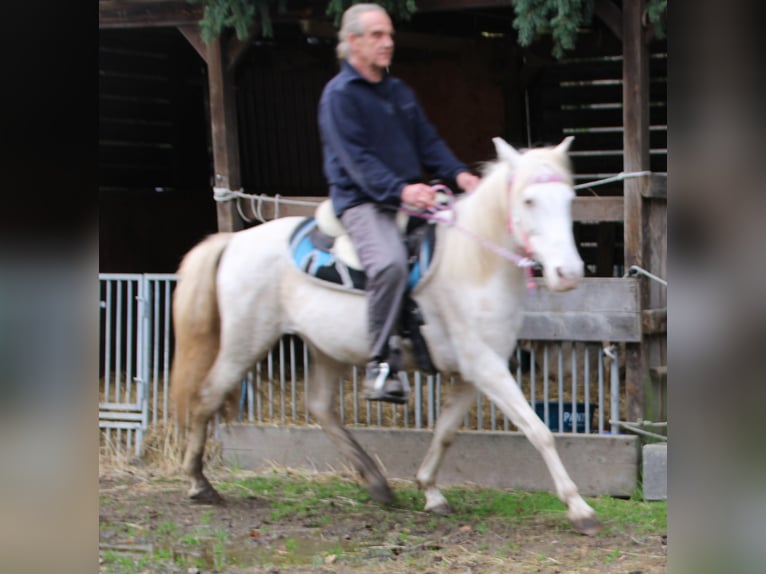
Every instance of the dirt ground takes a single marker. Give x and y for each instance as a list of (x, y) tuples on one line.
[(148, 525)]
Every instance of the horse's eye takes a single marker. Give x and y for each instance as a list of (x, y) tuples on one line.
[(529, 202)]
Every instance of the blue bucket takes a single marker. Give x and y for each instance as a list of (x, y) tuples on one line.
[(553, 415)]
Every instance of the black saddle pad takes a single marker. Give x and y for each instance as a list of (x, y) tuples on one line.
[(311, 251)]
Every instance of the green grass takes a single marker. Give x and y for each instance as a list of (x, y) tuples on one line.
[(321, 502)]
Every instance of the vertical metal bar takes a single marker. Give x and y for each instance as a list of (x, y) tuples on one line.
[(418, 401), (430, 383), (306, 380), (145, 336), (601, 392), (118, 345), (369, 414), (293, 396), (355, 383), (342, 400), (282, 379), (586, 383), (479, 415), (130, 342), (379, 410), (546, 387), (155, 352), (614, 391), (108, 344), (560, 364), (259, 392), (270, 375), (438, 404), (574, 388), (407, 406), (250, 397), (166, 351)]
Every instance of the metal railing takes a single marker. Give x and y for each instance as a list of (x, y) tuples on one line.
[(574, 387)]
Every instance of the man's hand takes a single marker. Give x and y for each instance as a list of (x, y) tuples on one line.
[(467, 181), (418, 195)]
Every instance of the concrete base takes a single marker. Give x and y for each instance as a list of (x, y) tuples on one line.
[(598, 464), (655, 471)]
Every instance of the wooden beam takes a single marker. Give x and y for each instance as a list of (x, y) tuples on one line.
[(611, 15), (194, 36), (147, 13), (597, 209), (654, 321), (600, 309), (223, 119), (657, 188), (635, 99)]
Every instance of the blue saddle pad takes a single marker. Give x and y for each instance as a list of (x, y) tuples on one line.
[(310, 250)]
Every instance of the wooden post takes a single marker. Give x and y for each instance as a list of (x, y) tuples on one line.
[(223, 120), (635, 95)]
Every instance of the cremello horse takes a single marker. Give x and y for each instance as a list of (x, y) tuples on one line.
[(239, 293)]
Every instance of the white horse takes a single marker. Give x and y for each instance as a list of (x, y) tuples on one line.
[(238, 293)]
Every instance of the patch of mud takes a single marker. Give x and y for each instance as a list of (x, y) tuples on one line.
[(148, 525)]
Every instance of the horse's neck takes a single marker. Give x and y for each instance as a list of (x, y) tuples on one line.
[(481, 221)]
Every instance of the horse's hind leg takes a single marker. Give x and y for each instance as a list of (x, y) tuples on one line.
[(324, 381), (444, 433), (226, 373)]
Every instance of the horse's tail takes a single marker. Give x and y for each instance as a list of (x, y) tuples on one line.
[(196, 322)]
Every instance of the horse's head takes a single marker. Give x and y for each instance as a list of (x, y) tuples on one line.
[(540, 210)]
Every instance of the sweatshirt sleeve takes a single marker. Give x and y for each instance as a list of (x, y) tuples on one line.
[(345, 135)]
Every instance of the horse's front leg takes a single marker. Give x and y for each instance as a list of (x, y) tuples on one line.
[(444, 433), (491, 376), (324, 382)]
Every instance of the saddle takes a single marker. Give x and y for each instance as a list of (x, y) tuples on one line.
[(321, 247)]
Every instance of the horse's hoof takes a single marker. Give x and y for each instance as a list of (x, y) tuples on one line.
[(207, 495), (443, 509), (588, 526), (381, 493)]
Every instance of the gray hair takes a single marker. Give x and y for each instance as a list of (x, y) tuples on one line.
[(351, 24)]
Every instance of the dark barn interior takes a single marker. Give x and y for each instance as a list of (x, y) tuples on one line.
[(474, 80)]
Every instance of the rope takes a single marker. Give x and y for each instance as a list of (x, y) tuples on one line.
[(619, 177), (635, 428), (636, 270)]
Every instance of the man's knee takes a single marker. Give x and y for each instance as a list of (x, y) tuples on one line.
[(391, 272)]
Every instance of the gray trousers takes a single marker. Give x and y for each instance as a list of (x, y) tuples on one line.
[(378, 243)]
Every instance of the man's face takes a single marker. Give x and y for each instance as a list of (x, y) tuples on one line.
[(375, 47)]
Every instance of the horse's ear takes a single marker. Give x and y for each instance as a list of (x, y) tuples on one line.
[(563, 147), (506, 151)]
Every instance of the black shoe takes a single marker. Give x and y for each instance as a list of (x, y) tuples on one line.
[(380, 384)]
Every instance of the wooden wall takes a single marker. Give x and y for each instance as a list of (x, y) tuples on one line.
[(154, 171)]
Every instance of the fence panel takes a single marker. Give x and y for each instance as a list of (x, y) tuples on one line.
[(573, 386)]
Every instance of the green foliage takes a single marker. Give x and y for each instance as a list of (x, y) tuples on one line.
[(397, 9), (237, 14), (656, 10), (560, 18)]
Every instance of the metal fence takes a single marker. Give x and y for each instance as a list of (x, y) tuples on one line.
[(574, 386)]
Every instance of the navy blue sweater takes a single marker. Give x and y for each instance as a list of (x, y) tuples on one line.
[(376, 139)]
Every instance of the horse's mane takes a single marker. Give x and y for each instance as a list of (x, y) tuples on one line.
[(485, 212), (482, 211)]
